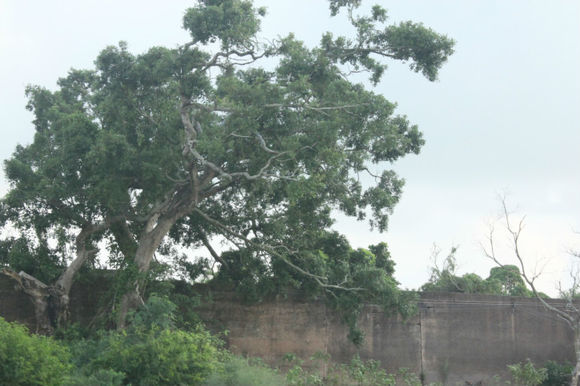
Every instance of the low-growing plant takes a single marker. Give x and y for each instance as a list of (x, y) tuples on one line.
[(526, 374), (159, 357), (149, 352), (558, 374), (356, 372), (408, 377), (27, 359), (98, 378), (239, 371), (298, 376)]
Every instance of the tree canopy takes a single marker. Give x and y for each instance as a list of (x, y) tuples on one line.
[(505, 280), (175, 146)]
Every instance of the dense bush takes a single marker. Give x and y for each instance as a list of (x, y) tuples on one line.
[(149, 352), (558, 374), (98, 378), (159, 357), (526, 374), (30, 359)]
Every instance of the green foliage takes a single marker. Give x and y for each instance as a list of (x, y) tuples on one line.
[(174, 147), (159, 357), (157, 313), (368, 373), (30, 359), (525, 374), (505, 280), (238, 371), (297, 375), (20, 254), (409, 378), (356, 372), (233, 23), (557, 374), (424, 49), (149, 352), (98, 378), (365, 274)]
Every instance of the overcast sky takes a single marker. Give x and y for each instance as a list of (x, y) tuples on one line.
[(504, 116)]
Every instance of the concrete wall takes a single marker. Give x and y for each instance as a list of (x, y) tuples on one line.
[(453, 338), (473, 337), (14, 304)]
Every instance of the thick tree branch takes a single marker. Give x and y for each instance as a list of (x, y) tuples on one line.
[(212, 251), (65, 281), (262, 173)]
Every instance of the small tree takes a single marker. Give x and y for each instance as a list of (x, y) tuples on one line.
[(505, 280), (570, 312)]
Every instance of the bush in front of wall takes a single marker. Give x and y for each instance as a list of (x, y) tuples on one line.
[(559, 374), (526, 374), (27, 359)]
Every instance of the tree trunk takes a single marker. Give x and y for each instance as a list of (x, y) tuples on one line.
[(575, 381), (38, 293), (59, 293), (148, 244), (51, 302)]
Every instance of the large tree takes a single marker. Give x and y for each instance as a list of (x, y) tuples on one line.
[(185, 144)]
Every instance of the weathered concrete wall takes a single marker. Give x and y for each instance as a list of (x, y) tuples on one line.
[(273, 329), (453, 338), (473, 337), (14, 304)]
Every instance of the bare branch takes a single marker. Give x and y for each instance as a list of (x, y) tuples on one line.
[(572, 318), (215, 60)]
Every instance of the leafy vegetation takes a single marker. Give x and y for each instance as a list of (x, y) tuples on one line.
[(558, 374), (176, 148), (525, 374), (150, 351), (356, 372), (238, 371), (505, 280), (330, 256), (30, 359)]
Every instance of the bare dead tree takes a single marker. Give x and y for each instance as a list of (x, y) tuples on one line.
[(569, 312)]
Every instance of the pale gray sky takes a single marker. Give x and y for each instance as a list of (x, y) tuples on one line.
[(504, 116)]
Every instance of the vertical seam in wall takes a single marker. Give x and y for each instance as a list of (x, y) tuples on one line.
[(421, 341), (327, 337)]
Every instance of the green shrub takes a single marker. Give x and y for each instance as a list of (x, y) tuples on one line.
[(160, 357), (525, 374), (150, 351), (30, 359), (357, 372), (558, 374), (98, 378), (238, 371)]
